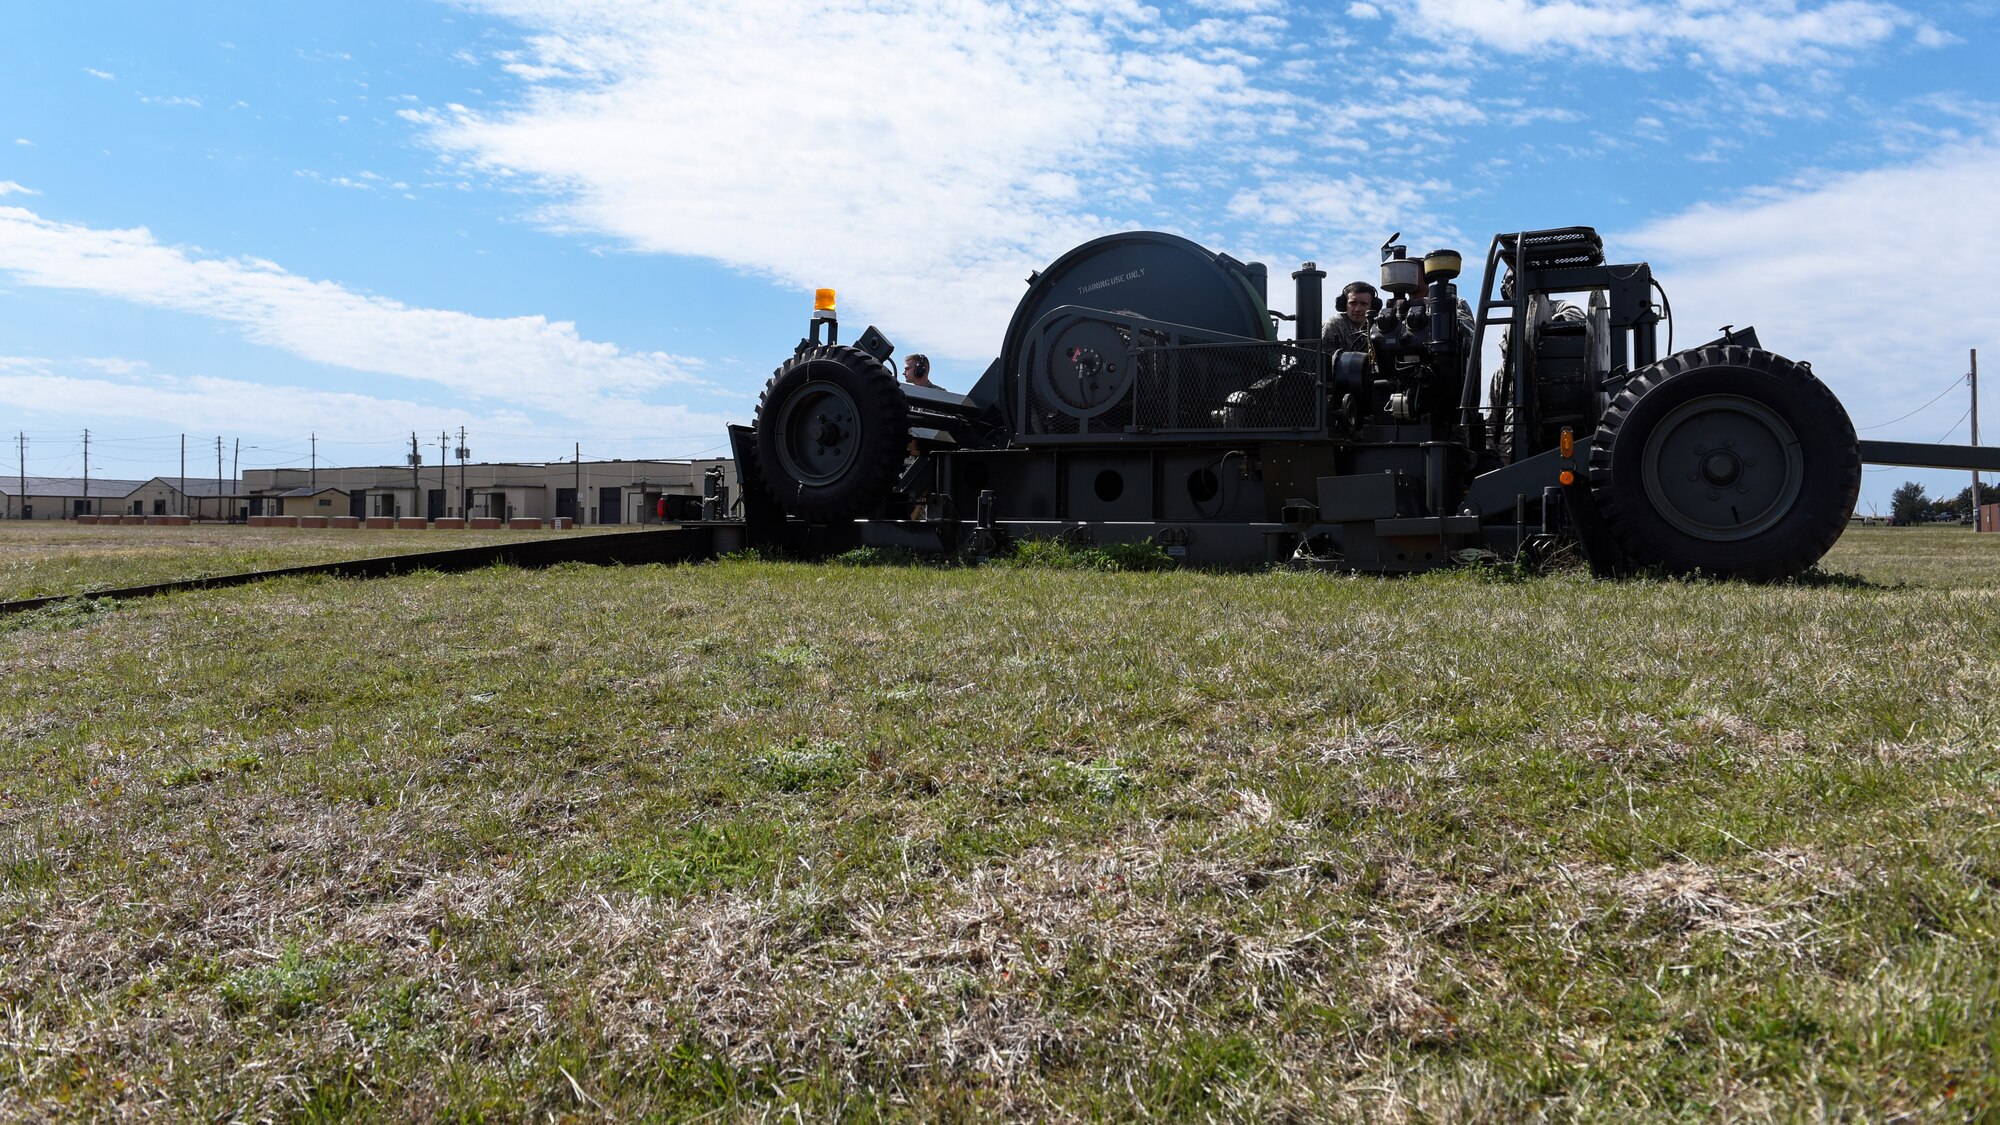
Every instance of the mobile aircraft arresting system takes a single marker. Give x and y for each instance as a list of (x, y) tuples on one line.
[(1143, 392)]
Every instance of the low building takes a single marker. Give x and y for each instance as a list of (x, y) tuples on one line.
[(310, 501), (61, 498), (203, 499), (590, 492)]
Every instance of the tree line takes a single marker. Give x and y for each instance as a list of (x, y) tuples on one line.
[(1909, 504)]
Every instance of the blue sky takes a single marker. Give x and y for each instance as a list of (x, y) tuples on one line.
[(600, 222)]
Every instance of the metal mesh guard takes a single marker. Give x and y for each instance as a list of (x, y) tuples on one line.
[(1209, 387)]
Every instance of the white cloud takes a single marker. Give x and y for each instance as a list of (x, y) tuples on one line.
[(105, 392), (1363, 11), (9, 187), (527, 361), (24, 141), (1746, 35), (171, 100), (104, 74), (923, 158), (1853, 274), (133, 393)]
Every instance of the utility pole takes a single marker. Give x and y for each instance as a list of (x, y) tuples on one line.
[(21, 444), (416, 486), (579, 482), (235, 469), (464, 494), (1973, 378), (218, 475), (182, 503), (444, 485), (86, 470), (315, 463)]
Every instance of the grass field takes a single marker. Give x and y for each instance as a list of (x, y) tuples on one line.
[(755, 839), (41, 559)]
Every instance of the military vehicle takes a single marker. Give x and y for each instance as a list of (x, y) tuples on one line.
[(1144, 390)]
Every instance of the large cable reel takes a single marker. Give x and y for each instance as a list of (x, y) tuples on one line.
[(1064, 364)]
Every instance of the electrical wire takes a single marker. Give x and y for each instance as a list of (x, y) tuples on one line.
[(1949, 387), (1955, 426), (1669, 305)]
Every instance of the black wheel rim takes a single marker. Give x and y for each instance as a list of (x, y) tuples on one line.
[(818, 434), (1723, 468)]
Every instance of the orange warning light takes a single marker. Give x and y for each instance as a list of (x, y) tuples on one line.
[(1567, 444), (1566, 477)]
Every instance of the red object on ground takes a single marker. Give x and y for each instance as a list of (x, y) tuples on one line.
[(447, 523), (486, 523), (524, 523)]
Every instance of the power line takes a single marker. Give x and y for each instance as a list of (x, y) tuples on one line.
[(1952, 386), (1955, 426)]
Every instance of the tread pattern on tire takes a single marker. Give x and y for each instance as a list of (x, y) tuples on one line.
[(884, 434), (1832, 468)]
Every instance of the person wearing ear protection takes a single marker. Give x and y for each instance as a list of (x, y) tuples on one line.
[(1348, 330)]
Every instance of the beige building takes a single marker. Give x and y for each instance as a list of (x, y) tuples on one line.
[(60, 498), (209, 499), (592, 492), (308, 501)]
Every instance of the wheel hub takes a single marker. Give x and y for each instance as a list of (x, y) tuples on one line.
[(816, 433), (1723, 467)]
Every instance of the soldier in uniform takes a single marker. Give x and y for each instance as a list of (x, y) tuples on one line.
[(917, 371), (1348, 329)]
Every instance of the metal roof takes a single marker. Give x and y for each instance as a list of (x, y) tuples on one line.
[(106, 487), (201, 486)]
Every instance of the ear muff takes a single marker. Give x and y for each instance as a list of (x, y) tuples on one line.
[(1375, 303)]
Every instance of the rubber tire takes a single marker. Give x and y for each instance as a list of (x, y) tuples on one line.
[(882, 429), (1830, 464)]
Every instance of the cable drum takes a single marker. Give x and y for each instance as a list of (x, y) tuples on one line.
[(1147, 274)]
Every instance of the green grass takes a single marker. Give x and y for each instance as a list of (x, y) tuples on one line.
[(909, 842), (55, 557)]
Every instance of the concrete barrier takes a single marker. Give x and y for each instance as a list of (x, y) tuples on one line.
[(448, 523), (486, 523), (260, 521), (379, 522), (284, 521), (86, 519), (343, 521), (524, 523), (412, 523), (313, 521)]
